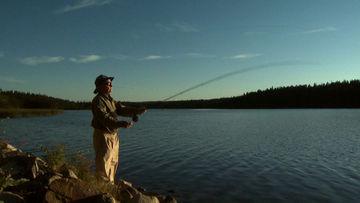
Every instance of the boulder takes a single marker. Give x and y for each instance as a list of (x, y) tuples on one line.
[(9, 197), (69, 189), (67, 172), (52, 197), (101, 198), (23, 166), (18, 164), (54, 177), (6, 148), (31, 191), (166, 199), (141, 198), (127, 193), (29, 179), (123, 183)]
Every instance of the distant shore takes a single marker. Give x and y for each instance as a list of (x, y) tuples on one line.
[(340, 94), (21, 112)]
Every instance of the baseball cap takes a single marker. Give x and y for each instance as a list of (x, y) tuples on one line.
[(102, 79)]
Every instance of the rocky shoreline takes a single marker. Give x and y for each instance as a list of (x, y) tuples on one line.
[(27, 178)]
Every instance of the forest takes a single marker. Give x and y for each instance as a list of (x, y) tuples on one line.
[(16, 99), (345, 94), (340, 94)]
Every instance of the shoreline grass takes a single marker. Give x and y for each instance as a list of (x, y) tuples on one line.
[(20, 112)]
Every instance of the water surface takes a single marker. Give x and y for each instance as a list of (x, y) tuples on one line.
[(221, 155)]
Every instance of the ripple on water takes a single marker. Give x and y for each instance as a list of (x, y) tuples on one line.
[(222, 155)]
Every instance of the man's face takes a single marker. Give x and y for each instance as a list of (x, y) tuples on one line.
[(106, 87)]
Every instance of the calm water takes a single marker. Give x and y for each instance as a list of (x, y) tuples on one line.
[(221, 155)]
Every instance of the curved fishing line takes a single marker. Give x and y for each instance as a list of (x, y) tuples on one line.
[(251, 68)]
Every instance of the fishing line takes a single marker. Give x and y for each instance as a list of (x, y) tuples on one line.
[(251, 68)]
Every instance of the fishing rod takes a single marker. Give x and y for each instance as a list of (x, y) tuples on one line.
[(135, 117), (248, 69)]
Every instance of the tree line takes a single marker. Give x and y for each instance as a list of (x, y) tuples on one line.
[(344, 94), (340, 94), (16, 99)]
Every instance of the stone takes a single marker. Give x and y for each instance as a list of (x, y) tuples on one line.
[(52, 197), (168, 199), (33, 181), (6, 148), (68, 173), (56, 176), (9, 197), (125, 195), (19, 164), (132, 195), (36, 166), (123, 183), (101, 198), (141, 198), (69, 189), (31, 191), (23, 166)]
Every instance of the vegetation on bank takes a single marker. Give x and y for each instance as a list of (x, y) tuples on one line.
[(60, 177), (15, 100), (11, 113), (338, 94), (343, 94), (58, 160), (20, 104)]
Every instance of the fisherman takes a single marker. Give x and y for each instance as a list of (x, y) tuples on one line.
[(105, 122)]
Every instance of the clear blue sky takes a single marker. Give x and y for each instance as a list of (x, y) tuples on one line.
[(157, 48)]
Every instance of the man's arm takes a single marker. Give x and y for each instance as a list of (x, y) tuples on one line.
[(105, 118), (129, 111)]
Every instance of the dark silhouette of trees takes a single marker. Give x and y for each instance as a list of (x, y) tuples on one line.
[(345, 94), (15, 99)]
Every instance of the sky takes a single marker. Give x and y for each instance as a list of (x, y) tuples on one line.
[(158, 48)]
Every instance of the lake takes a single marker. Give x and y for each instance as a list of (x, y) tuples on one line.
[(210, 155)]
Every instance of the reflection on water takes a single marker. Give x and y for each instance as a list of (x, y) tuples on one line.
[(221, 155)]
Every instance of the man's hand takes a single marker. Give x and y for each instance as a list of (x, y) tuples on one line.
[(125, 124)]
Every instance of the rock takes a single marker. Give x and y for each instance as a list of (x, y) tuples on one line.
[(67, 172), (29, 179), (23, 166), (130, 194), (56, 176), (69, 189), (19, 164), (141, 198), (37, 166), (166, 199), (141, 189), (71, 174), (102, 198), (6, 148), (123, 183), (52, 197), (125, 195), (9, 197), (2, 173), (31, 191)]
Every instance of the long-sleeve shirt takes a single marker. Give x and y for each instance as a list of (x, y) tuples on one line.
[(105, 116)]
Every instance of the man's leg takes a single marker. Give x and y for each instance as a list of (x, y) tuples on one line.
[(114, 157), (106, 147)]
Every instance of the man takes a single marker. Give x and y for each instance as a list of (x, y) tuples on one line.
[(105, 122)]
